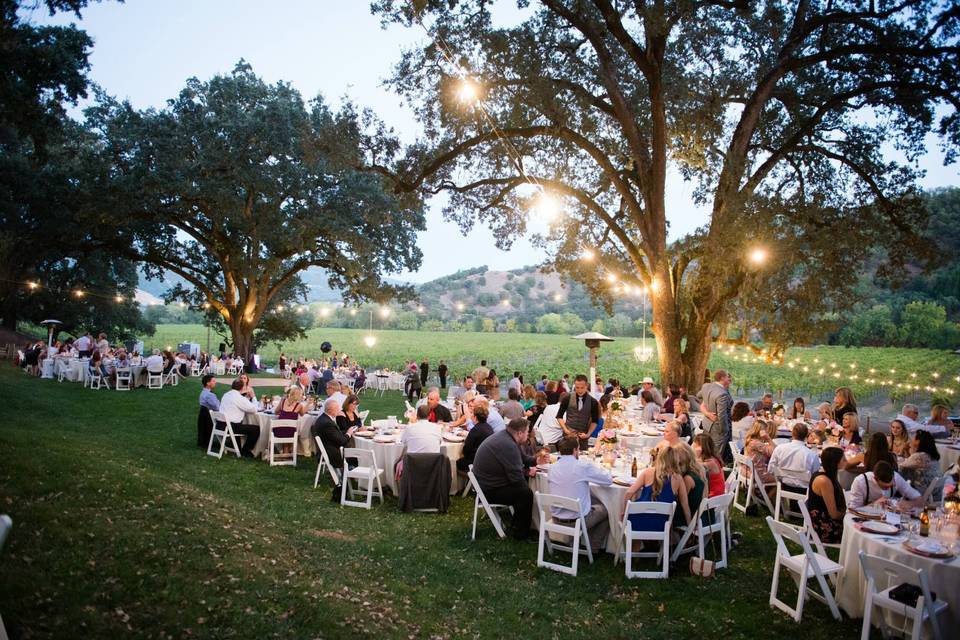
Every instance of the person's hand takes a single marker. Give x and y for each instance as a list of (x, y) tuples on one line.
[(532, 472), (351, 431), (583, 436)]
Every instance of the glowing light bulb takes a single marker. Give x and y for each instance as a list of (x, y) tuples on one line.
[(32, 285), (78, 293), (370, 341), (611, 277), (353, 312), (460, 306), (587, 255), (546, 207), (759, 255), (119, 298), (385, 312), (467, 91)]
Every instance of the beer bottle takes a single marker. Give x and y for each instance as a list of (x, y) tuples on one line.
[(633, 467)]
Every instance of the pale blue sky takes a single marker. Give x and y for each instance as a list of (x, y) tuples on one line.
[(145, 49)]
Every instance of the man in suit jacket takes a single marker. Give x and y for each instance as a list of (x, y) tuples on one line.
[(436, 412), (716, 404), (330, 435)]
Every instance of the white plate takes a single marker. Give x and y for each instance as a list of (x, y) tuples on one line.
[(384, 439), (869, 512), (454, 438), (624, 481), (882, 528)]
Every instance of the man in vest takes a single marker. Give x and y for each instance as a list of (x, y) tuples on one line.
[(579, 412)]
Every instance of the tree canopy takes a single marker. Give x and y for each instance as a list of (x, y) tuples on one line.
[(777, 111), (237, 186)]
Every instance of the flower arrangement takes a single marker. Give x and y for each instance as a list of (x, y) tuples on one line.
[(616, 406), (607, 437)]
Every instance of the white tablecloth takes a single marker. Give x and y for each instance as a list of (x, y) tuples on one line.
[(306, 445), (944, 577), (611, 496), (47, 368), (386, 456), (949, 455)]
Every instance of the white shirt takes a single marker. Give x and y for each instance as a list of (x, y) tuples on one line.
[(422, 437), (339, 397), (550, 429), (865, 490), (515, 384), (792, 458), (82, 343), (154, 363), (235, 405), (933, 428), (911, 424), (103, 346), (571, 478)]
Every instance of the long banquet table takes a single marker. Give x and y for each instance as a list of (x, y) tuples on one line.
[(944, 575)]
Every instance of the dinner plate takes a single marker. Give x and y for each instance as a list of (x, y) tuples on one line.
[(882, 528), (928, 549), (874, 513), (365, 434), (384, 439), (624, 482), (651, 433), (454, 438)]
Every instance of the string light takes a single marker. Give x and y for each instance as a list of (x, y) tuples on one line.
[(32, 285), (78, 293), (587, 255), (385, 312)]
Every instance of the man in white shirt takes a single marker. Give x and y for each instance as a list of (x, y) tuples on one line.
[(882, 483), (515, 383), (794, 461), (571, 477), (550, 429), (334, 393), (910, 417), (422, 436), (84, 345), (154, 362), (235, 406)]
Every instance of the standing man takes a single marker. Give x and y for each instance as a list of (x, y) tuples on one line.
[(479, 376), (716, 404), (579, 412), (84, 345), (442, 372), (424, 372)]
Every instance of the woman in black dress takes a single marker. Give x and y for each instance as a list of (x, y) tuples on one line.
[(825, 502)]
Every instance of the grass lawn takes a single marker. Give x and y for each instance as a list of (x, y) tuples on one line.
[(123, 528)]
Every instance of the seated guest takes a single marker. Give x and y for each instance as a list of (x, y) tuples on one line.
[(528, 397), (650, 408), (799, 410), (923, 465), (759, 447), (464, 408), (825, 500), (330, 435), (706, 451), (291, 407), (303, 383), (910, 417), (437, 412), (878, 449), (360, 381), (247, 389), (536, 410), (881, 484), (334, 393), (494, 418), (511, 408), (794, 459), (764, 404), (570, 477), (553, 392), (422, 436), (740, 422), (208, 402), (480, 432), (154, 362), (235, 408), (694, 477), (681, 415), (899, 439), (604, 403), (349, 417), (498, 467), (660, 483), (939, 424), (647, 384), (671, 435), (851, 431), (673, 392), (542, 384), (457, 392)]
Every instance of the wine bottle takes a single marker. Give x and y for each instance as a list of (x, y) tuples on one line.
[(633, 467), (924, 524)]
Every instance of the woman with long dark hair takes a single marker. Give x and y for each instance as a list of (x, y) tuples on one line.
[(825, 501), (923, 465)]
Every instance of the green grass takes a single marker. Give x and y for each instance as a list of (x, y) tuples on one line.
[(123, 528), (536, 354)]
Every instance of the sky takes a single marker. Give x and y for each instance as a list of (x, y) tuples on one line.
[(144, 51)]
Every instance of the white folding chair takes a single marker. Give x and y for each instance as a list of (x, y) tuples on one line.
[(172, 378), (884, 575), (324, 464), (367, 472), (281, 459), (363, 416), (95, 379), (818, 545), (787, 492), (154, 379), (491, 509), (803, 566), (578, 535), (933, 488), (687, 532), (124, 379), (662, 536), (221, 436), (747, 479), (717, 512), (195, 369)]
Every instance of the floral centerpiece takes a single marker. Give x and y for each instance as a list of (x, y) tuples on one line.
[(616, 405), (607, 444)]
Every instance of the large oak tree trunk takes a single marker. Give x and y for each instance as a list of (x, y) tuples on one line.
[(682, 351), (242, 333)]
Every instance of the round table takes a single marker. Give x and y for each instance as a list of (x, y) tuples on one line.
[(943, 575), (949, 454), (386, 455), (306, 446)]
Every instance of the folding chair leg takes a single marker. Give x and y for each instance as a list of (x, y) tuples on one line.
[(476, 509)]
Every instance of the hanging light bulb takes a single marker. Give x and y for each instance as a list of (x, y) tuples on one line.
[(370, 340)]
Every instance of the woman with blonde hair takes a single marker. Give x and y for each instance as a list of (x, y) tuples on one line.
[(851, 430), (899, 439), (844, 402), (291, 407), (759, 447), (660, 483), (940, 415)]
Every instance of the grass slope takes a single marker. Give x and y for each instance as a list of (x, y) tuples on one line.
[(123, 528)]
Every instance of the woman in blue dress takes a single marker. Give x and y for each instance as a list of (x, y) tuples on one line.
[(660, 483)]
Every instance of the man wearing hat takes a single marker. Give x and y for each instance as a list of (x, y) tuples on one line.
[(648, 385)]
